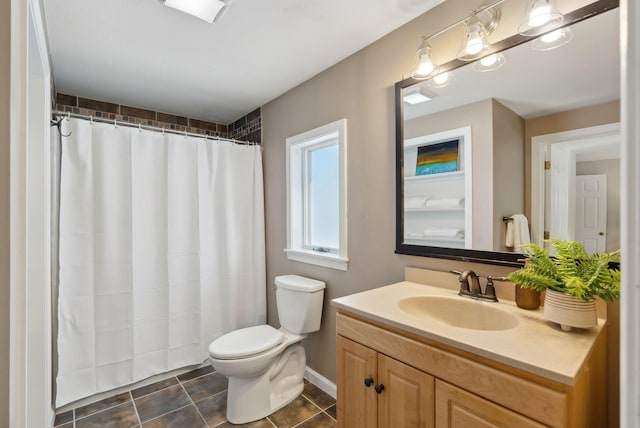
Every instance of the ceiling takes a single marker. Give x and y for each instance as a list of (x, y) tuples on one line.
[(143, 54), (584, 72)]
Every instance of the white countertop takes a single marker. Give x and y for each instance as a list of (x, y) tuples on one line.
[(535, 345)]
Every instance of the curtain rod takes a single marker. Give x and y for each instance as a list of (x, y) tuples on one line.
[(66, 114)]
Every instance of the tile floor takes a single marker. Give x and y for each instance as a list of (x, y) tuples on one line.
[(196, 399)]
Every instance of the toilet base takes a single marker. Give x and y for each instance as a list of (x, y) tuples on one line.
[(251, 399)]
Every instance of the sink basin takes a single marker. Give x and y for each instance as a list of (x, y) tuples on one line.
[(459, 312)]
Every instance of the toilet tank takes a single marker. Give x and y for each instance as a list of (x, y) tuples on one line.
[(299, 301)]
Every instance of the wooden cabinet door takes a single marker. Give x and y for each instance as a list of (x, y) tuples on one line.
[(357, 403), (456, 408), (407, 399)]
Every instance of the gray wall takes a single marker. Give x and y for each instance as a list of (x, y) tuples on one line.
[(508, 169), (361, 89), (5, 36)]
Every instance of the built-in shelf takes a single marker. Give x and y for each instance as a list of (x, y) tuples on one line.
[(436, 177), (426, 239), (434, 209)]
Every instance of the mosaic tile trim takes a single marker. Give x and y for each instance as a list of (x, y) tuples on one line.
[(247, 128)]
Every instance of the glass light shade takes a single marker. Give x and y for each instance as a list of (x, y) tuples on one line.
[(552, 40), (441, 80), (539, 13), (425, 67), (489, 63), (474, 41), (207, 10)]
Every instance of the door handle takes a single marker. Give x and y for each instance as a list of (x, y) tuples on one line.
[(601, 233), (379, 388), (368, 381)]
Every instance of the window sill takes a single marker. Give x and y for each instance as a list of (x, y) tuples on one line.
[(315, 258)]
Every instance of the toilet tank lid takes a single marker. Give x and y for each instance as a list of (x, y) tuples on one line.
[(299, 283)]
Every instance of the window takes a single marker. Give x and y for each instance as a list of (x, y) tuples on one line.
[(317, 196)]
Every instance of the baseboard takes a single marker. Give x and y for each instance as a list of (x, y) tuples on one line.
[(320, 381)]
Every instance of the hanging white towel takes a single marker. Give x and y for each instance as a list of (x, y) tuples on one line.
[(509, 238), (517, 233)]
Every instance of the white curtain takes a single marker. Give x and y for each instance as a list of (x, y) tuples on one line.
[(161, 251)]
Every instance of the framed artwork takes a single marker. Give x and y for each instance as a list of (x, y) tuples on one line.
[(437, 158)]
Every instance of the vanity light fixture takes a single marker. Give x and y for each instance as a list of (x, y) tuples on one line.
[(552, 40), (474, 41), (489, 63), (540, 13), (478, 25), (425, 67), (441, 80), (207, 10), (419, 96)]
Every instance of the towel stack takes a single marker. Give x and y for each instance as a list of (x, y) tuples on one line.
[(443, 232), (414, 203), (445, 203)]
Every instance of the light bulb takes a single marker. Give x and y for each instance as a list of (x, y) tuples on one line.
[(441, 78), (425, 68), (540, 15), (553, 40), (552, 36), (475, 44), (488, 61)]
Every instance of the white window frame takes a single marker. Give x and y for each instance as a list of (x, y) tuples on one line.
[(297, 148)]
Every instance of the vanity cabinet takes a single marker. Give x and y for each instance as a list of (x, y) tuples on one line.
[(382, 391), (431, 384), (457, 408)]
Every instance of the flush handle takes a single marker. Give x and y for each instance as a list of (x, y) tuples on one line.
[(368, 381)]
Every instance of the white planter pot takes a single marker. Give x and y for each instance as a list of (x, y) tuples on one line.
[(569, 311)]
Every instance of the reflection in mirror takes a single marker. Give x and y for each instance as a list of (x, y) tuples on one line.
[(466, 151)]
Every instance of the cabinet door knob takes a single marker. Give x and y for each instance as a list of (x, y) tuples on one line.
[(379, 388), (368, 381)]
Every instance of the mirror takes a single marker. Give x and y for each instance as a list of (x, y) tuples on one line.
[(463, 159)]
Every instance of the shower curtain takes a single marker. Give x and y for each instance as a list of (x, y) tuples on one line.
[(161, 250)]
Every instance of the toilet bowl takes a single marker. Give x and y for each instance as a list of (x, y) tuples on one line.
[(265, 365)]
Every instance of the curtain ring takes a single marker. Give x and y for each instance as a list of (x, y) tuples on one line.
[(90, 120), (68, 116), (115, 124), (139, 128), (163, 130)]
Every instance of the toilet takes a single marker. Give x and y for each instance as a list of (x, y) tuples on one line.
[(265, 366)]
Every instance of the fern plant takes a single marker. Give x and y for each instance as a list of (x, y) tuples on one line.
[(571, 271)]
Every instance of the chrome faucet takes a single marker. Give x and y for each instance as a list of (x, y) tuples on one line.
[(470, 285)]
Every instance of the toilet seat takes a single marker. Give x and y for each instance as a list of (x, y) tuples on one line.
[(246, 342)]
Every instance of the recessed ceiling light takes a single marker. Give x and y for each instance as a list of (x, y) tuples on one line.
[(417, 97), (207, 10)]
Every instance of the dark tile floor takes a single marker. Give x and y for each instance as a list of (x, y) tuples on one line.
[(197, 399)]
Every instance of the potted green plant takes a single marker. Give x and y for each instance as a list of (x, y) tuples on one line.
[(572, 280)]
